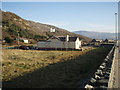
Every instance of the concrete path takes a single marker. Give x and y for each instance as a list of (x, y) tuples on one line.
[(116, 77), (116, 71), (119, 66), (114, 81)]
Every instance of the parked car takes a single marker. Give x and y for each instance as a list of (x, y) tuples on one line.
[(24, 47), (16, 47), (31, 47)]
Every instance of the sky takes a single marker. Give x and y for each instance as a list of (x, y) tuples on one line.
[(72, 16), (60, 0)]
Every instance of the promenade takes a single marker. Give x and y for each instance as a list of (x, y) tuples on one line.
[(115, 74)]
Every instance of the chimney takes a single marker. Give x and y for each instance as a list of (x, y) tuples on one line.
[(67, 38)]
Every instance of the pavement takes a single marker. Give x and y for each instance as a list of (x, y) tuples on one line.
[(119, 65), (116, 77)]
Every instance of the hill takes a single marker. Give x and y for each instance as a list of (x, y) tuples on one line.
[(96, 35), (12, 24)]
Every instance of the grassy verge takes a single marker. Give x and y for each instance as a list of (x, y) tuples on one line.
[(19, 62), (49, 69)]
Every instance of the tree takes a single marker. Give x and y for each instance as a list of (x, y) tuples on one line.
[(94, 40), (39, 37)]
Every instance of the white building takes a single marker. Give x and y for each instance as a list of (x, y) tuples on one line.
[(99, 40), (25, 41), (52, 30), (60, 43)]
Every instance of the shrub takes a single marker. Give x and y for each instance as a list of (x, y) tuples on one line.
[(8, 40), (39, 37)]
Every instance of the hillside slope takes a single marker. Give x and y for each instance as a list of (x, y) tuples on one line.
[(12, 23)]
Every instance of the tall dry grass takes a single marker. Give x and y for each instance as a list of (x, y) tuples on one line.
[(50, 69), (18, 62)]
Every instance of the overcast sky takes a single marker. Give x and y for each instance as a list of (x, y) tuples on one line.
[(73, 16)]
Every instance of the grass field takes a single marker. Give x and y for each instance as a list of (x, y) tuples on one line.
[(49, 69)]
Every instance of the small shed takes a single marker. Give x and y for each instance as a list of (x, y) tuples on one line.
[(25, 41)]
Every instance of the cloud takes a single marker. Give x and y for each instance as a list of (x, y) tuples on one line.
[(89, 27), (76, 26), (94, 25), (101, 28), (58, 24)]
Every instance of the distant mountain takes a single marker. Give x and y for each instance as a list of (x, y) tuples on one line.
[(96, 35), (12, 24)]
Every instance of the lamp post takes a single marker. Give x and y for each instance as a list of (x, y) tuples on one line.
[(116, 26)]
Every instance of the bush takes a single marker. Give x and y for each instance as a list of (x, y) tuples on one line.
[(39, 37), (8, 40)]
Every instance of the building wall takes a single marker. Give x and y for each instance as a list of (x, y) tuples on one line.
[(55, 43), (70, 45), (77, 44), (51, 43), (43, 44), (25, 41)]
